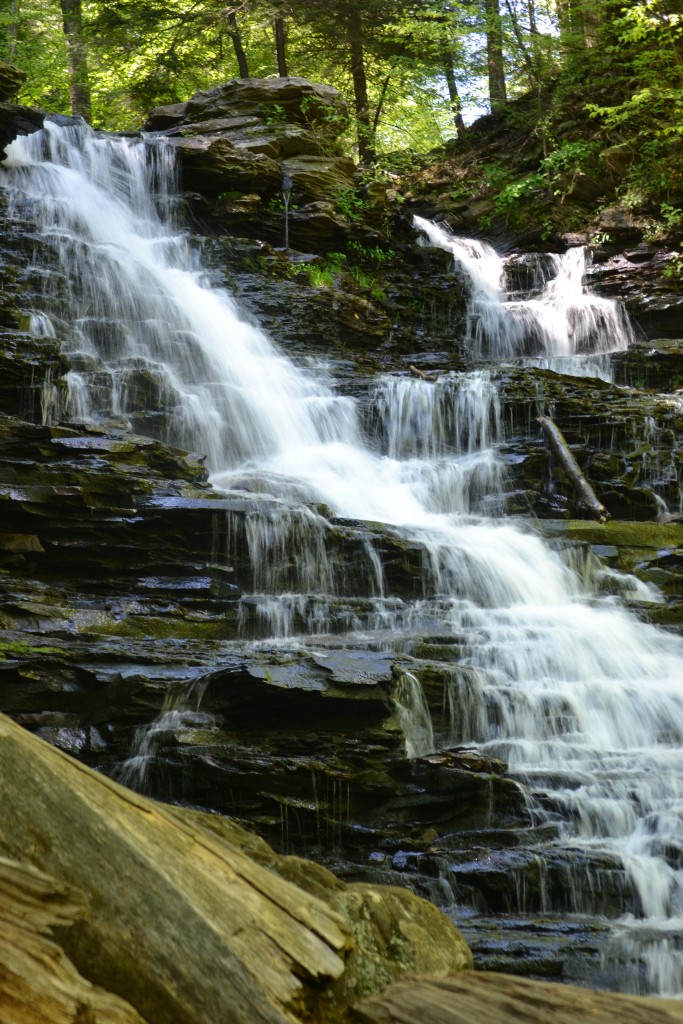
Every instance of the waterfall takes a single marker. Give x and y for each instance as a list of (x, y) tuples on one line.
[(559, 324), (413, 714), (581, 699)]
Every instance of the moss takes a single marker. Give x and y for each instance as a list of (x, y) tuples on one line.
[(24, 649)]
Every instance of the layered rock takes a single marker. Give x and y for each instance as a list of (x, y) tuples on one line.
[(260, 137)]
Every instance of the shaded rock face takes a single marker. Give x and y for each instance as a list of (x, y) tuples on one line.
[(17, 120), (11, 80), (256, 135), (635, 276)]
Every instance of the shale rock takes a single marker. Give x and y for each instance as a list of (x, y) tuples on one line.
[(284, 99), (251, 135), (634, 275)]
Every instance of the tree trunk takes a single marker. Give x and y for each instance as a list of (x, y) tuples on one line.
[(527, 56), (13, 28), (186, 915), (180, 924), (585, 494), (453, 93), (234, 32), (531, 8), (380, 104), (366, 151), (590, 22), (77, 57), (494, 55), (281, 47)]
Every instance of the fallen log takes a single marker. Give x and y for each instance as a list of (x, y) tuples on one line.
[(191, 920), (431, 377), (585, 494), (38, 983), (505, 999)]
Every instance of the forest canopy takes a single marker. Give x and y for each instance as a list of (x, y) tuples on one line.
[(595, 74)]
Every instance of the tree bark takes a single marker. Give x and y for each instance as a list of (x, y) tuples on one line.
[(13, 27), (366, 151), (281, 47), (77, 58), (180, 924), (38, 983), (491, 998), (453, 94), (234, 33), (585, 494), (494, 56), (526, 54)]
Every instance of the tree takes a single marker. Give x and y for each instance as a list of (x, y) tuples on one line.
[(77, 57), (494, 56), (236, 37), (281, 46)]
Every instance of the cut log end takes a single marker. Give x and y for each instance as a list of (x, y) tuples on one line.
[(431, 377)]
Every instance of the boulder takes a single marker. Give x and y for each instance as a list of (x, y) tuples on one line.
[(212, 165), (246, 135), (11, 80), (320, 177), (269, 99)]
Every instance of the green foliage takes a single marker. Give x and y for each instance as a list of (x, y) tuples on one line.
[(348, 203), (320, 277), (673, 271), (370, 253)]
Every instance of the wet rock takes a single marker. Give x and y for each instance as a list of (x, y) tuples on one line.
[(17, 120), (635, 277)]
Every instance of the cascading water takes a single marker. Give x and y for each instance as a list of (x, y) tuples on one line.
[(583, 700), (561, 325)]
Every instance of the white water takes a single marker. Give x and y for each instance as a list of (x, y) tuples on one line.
[(563, 326), (584, 701)]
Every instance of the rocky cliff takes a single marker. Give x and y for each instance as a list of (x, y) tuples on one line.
[(126, 580)]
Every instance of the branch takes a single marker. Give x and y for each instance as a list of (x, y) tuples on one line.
[(584, 492)]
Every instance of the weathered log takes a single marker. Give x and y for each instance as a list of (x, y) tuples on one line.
[(431, 377), (585, 494), (186, 927), (38, 984), (503, 999), (184, 922)]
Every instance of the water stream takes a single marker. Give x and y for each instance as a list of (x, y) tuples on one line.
[(582, 700), (557, 324)]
